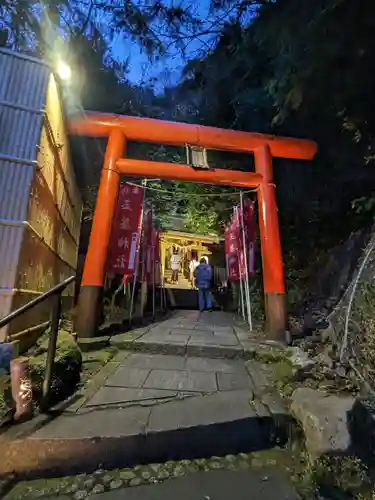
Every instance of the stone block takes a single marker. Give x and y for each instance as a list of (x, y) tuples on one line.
[(275, 404), (93, 343), (158, 331), (121, 395), (159, 347), (261, 410), (324, 419), (204, 327), (258, 375), (223, 330), (249, 348), (215, 365), (242, 333), (193, 332), (128, 377), (233, 382), (221, 407), (116, 422), (123, 340), (150, 361), (213, 340), (217, 485), (187, 325), (181, 380), (167, 338), (214, 351)]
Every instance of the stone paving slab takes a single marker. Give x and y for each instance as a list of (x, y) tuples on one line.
[(212, 409), (156, 361), (118, 395), (135, 377), (96, 424), (194, 332), (209, 350), (216, 340), (215, 365), (233, 382), (167, 339), (182, 380), (264, 484), (143, 377)]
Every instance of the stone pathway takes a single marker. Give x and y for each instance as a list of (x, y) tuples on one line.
[(215, 335), (179, 389)]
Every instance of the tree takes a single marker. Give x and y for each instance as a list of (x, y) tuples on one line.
[(302, 69)]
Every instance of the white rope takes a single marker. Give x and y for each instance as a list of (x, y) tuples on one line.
[(348, 312), (191, 195)]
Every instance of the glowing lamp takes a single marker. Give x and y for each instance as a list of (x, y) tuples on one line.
[(63, 70)]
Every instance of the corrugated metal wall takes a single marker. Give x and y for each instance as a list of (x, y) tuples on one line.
[(40, 205)]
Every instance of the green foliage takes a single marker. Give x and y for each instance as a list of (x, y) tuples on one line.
[(362, 327), (336, 477), (66, 369), (301, 69), (4, 382)]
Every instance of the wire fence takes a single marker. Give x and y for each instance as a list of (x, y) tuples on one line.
[(353, 321)]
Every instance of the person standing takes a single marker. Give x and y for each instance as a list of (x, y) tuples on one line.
[(175, 265), (203, 277), (192, 267)]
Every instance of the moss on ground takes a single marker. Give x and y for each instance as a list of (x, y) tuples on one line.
[(93, 361), (66, 369), (4, 399)]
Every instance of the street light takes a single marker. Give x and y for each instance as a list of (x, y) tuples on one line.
[(63, 70)]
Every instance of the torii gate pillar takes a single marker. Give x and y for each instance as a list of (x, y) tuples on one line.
[(272, 262)]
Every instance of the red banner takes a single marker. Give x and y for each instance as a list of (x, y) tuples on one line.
[(235, 250), (125, 230), (145, 248), (231, 250), (250, 233)]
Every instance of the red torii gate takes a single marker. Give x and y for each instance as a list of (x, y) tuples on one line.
[(119, 129)]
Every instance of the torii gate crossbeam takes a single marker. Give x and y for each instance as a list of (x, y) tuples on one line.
[(119, 129)]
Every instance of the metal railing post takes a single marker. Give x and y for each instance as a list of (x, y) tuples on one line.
[(52, 342)]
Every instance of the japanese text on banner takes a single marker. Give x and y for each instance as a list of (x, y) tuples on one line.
[(125, 230)]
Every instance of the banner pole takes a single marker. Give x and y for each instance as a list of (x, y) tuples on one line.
[(245, 254), (241, 291), (153, 259), (161, 281), (135, 274), (235, 214)]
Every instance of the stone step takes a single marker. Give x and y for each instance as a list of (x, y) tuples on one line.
[(183, 346), (144, 409), (185, 298), (209, 334), (185, 339), (218, 485)]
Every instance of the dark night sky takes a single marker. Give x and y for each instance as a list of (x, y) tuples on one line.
[(166, 70)]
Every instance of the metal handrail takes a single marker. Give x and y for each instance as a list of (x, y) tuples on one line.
[(55, 294), (46, 295)]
